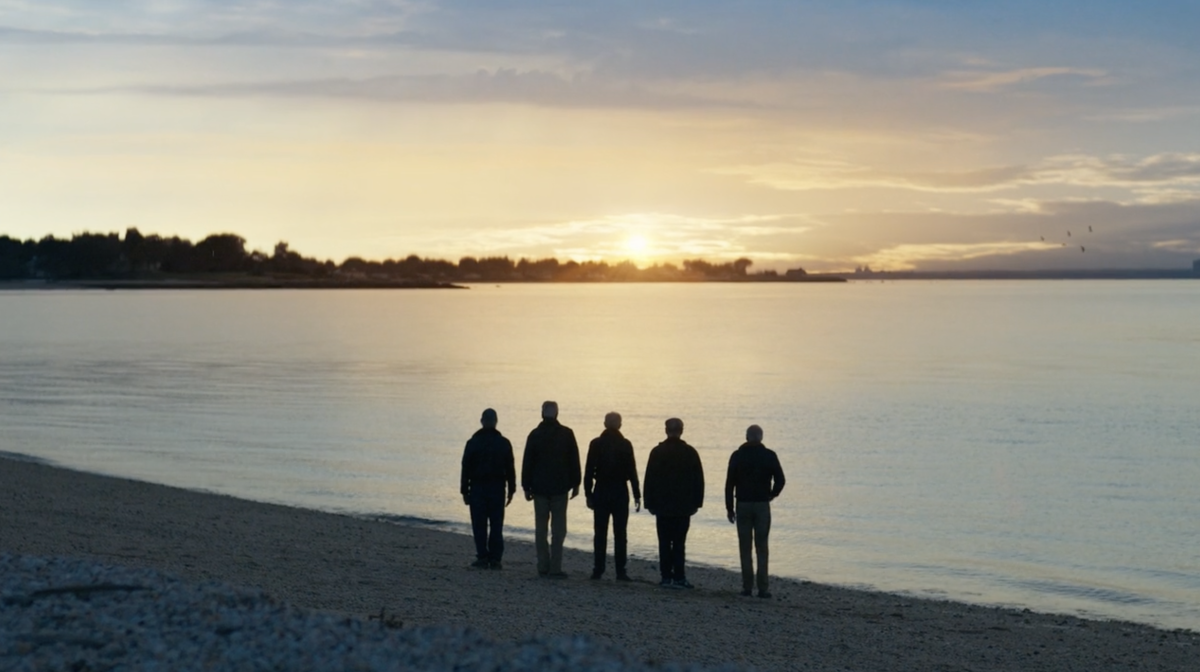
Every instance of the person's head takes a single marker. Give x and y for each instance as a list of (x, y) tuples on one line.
[(612, 420), (674, 428), (549, 410), (488, 419), (754, 434)]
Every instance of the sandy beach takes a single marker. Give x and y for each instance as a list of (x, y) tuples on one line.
[(350, 566)]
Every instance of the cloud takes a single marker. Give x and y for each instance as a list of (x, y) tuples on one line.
[(910, 256), (1159, 170), (986, 82), (533, 87), (1104, 234)]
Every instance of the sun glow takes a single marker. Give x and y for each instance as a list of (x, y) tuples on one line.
[(636, 245)]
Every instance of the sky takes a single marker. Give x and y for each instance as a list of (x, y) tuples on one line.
[(899, 134)]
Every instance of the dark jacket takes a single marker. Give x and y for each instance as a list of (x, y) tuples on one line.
[(674, 484), (551, 463), (487, 460), (610, 468), (752, 468)]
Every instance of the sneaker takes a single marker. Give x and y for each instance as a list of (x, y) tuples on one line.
[(495, 564), (666, 583), (623, 577), (683, 583), (481, 563), (746, 593), (765, 596), (557, 575), (596, 576)]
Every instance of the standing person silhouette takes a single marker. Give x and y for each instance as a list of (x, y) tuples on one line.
[(674, 491), (754, 478), (487, 467), (549, 470), (609, 471)]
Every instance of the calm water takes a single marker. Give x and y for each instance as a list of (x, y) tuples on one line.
[(1024, 443)]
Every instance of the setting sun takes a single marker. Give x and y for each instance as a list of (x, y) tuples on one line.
[(636, 245)]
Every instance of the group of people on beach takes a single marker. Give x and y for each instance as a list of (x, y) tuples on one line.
[(673, 491)]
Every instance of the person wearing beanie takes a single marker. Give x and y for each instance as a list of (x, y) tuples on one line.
[(487, 467), (674, 491), (549, 470), (754, 479), (607, 475)]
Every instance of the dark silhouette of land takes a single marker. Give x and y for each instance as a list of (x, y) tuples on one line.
[(106, 260)]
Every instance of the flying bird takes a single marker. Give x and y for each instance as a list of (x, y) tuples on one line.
[(1043, 238), (1082, 248), (1089, 228), (1068, 234)]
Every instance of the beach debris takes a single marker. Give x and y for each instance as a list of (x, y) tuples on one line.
[(393, 622)]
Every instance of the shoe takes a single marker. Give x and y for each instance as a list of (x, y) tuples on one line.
[(481, 563), (542, 575), (666, 583), (557, 575), (765, 596), (596, 576), (683, 583), (623, 577), (746, 593), (495, 564)]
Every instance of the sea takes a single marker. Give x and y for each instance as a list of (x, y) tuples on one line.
[(1033, 444)]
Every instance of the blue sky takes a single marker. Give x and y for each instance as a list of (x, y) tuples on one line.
[(821, 134)]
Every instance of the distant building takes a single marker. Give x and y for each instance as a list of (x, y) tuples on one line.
[(1196, 267)]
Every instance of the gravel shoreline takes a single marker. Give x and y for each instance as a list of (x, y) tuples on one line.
[(311, 570)]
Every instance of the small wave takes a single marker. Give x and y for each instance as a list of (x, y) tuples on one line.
[(416, 521), (1109, 595)]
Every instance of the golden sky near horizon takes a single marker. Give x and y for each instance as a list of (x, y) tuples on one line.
[(900, 134)]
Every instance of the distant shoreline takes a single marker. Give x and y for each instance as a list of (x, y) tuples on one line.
[(275, 283)]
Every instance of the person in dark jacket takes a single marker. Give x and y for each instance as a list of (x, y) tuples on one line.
[(549, 470), (754, 478), (674, 491), (487, 467), (609, 471)]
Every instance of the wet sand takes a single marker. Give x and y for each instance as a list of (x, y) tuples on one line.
[(421, 576)]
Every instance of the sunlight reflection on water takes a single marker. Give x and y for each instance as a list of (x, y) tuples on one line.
[(1023, 443)]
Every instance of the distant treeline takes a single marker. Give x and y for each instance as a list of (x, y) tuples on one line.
[(107, 256)]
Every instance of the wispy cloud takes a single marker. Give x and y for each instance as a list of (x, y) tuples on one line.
[(983, 81), (910, 256), (1159, 170), (534, 87)]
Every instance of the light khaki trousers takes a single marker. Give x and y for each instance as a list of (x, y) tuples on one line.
[(549, 512), (754, 527)]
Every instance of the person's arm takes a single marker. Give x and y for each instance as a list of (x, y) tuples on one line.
[(589, 469), (526, 465), (464, 486), (632, 474), (510, 471), (777, 474), (730, 485), (650, 483), (699, 480), (573, 464)]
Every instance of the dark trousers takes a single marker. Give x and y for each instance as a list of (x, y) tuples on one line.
[(672, 537), (619, 513), (487, 511), (754, 527)]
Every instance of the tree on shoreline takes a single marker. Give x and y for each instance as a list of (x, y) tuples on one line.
[(100, 256)]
